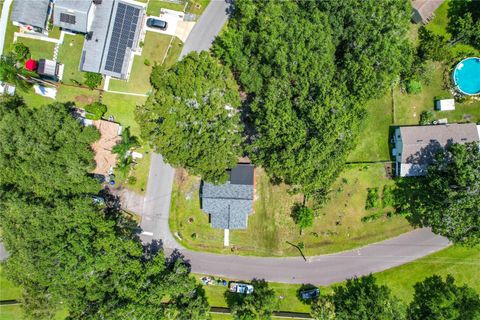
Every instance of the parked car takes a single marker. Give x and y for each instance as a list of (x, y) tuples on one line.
[(310, 294), (241, 288), (157, 23)]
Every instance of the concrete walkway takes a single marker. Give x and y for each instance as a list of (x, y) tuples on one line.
[(4, 23)]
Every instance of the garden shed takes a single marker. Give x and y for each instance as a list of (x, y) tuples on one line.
[(445, 104)]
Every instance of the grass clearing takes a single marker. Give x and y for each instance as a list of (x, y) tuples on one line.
[(8, 291), (9, 33), (154, 7), (39, 49), (122, 108), (154, 50), (70, 53), (337, 227), (461, 262)]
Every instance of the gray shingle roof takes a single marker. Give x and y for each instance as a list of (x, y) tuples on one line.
[(77, 8), (230, 204), (420, 143), (93, 49), (31, 12)]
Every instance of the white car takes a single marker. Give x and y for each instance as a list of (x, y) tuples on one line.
[(241, 288)]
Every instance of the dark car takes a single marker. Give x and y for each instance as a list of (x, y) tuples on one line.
[(156, 23), (310, 294)]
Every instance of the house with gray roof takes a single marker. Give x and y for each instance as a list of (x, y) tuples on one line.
[(113, 38), (30, 13), (74, 15), (230, 204), (416, 146)]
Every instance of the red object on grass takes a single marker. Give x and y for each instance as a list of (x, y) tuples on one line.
[(31, 65)]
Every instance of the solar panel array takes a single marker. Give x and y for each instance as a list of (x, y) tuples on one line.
[(123, 34), (67, 18)]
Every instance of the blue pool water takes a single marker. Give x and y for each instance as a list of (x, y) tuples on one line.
[(467, 76)]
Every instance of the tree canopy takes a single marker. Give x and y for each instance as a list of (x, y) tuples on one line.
[(360, 298), (436, 299), (192, 118), (308, 67), (447, 199), (63, 247), (464, 21), (258, 305)]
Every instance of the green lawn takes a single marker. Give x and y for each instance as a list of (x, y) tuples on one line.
[(11, 29), (154, 50), (337, 227), (463, 263), (70, 53), (173, 52), (440, 20), (154, 7), (372, 143), (8, 291), (39, 49), (122, 108)]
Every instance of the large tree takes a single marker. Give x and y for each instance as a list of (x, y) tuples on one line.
[(464, 21), (447, 199), (359, 299), (63, 247), (307, 79), (258, 305), (192, 117), (436, 299)]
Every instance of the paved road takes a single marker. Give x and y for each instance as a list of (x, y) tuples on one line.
[(207, 27), (4, 22)]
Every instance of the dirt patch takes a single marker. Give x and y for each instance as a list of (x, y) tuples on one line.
[(84, 99)]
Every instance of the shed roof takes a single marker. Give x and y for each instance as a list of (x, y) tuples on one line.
[(30, 12), (421, 143), (47, 67)]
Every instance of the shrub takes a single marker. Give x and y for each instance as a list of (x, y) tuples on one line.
[(95, 110), (193, 236), (413, 86), (21, 51), (388, 196), (132, 180), (303, 216), (426, 118), (373, 198), (92, 79), (146, 62), (373, 217)]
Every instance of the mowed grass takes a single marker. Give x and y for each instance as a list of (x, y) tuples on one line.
[(461, 262), (122, 108), (154, 7), (38, 49), (70, 53), (8, 291), (337, 227), (154, 50)]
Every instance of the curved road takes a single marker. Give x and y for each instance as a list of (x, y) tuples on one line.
[(322, 270)]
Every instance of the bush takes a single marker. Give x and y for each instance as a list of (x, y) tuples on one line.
[(95, 110), (92, 79), (21, 51), (132, 180), (146, 62), (373, 199), (413, 86), (303, 216), (426, 118), (373, 217), (388, 196)]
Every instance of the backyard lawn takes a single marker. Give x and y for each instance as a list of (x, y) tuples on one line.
[(70, 53), (154, 51), (337, 227), (39, 49)]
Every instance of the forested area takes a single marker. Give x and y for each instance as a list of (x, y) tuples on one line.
[(66, 251), (308, 68)]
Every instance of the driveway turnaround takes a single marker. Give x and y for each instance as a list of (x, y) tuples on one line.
[(322, 270)]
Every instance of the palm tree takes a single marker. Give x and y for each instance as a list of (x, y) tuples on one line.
[(128, 142), (12, 72)]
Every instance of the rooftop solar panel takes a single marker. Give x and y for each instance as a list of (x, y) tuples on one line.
[(123, 35)]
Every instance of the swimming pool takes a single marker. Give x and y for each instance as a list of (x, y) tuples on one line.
[(467, 76)]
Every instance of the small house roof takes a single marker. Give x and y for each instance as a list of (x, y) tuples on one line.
[(74, 5), (30, 12), (47, 67), (229, 204)]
